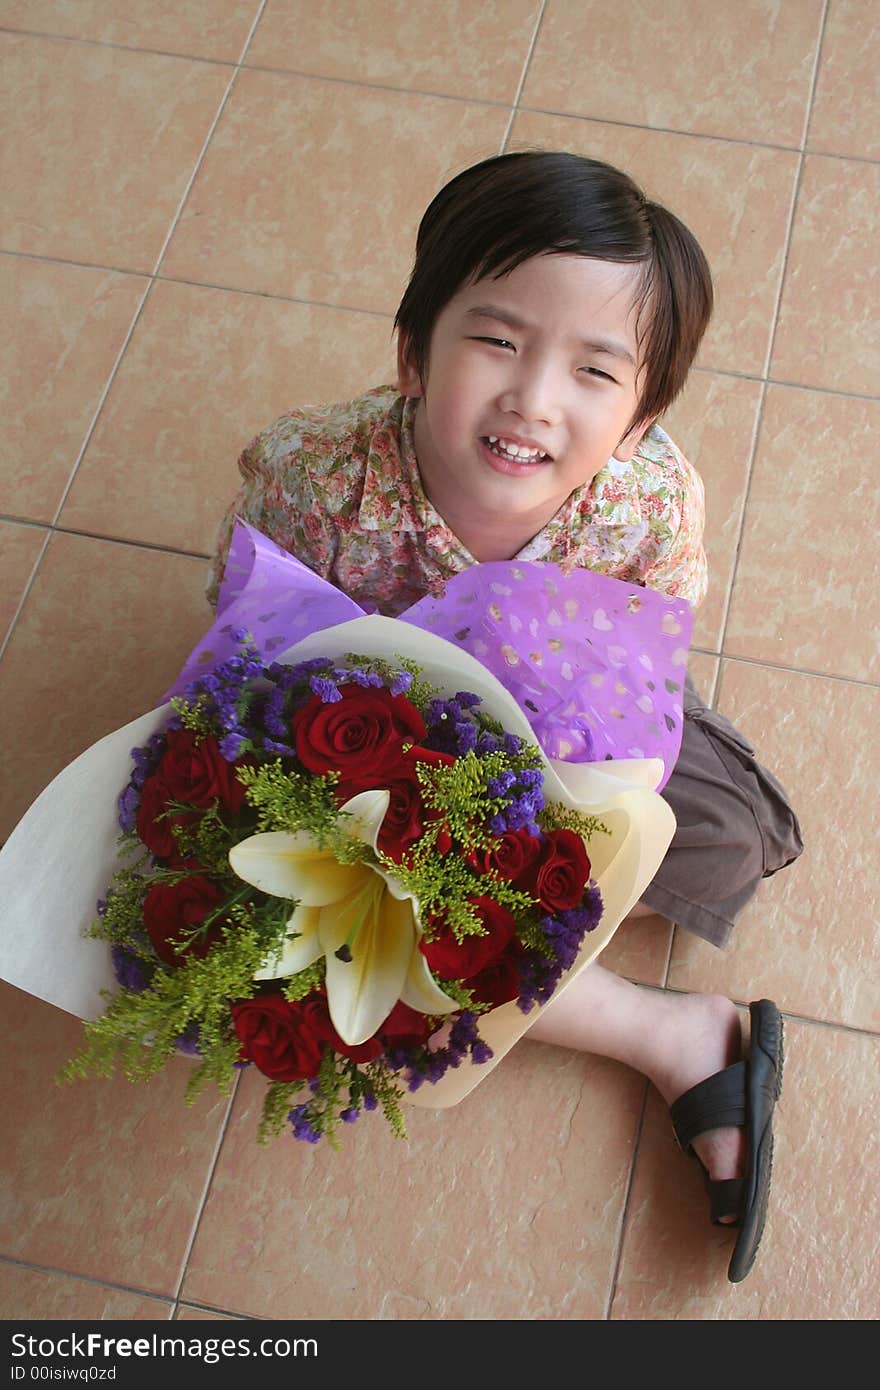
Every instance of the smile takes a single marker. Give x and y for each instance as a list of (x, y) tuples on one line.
[(517, 453)]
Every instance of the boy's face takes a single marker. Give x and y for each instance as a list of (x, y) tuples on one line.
[(544, 359)]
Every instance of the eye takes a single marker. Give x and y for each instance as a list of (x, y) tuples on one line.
[(496, 342), (595, 371)]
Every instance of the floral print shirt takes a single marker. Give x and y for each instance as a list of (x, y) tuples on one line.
[(338, 486)]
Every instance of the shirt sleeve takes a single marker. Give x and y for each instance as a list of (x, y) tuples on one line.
[(276, 498), (679, 565)]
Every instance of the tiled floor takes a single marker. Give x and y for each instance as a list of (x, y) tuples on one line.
[(208, 217)]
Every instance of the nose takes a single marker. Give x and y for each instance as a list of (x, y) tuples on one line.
[(532, 392)]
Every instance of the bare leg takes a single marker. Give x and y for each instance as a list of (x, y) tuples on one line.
[(675, 1040)]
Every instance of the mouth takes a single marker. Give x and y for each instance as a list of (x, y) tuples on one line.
[(511, 452)]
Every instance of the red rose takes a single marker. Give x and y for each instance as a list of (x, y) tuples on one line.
[(173, 911), (280, 1038), (407, 815), (404, 1027), (154, 828), (511, 855), (195, 771), (459, 960), (362, 734), (559, 877), (498, 982)]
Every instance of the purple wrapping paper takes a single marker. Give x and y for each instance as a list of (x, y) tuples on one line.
[(596, 665)]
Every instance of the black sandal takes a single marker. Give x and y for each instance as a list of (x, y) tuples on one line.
[(744, 1094)]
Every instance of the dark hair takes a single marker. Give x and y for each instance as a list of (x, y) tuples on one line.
[(500, 212)]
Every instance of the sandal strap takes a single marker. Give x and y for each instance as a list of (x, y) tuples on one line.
[(715, 1103), (725, 1200)]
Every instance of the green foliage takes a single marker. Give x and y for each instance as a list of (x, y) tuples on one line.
[(555, 816)]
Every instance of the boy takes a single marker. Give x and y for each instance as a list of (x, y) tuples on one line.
[(552, 315)]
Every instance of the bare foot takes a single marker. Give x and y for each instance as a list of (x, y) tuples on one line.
[(703, 1037)]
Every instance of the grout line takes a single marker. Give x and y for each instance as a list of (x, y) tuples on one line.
[(207, 141), (621, 1234), (422, 92), (87, 1279), (811, 101), (522, 78), (768, 359), (709, 370), (197, 1220), (7, 637), (167, 1300), (108, 385), (100, 405)]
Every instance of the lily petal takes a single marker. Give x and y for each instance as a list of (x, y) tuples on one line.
[(421, 991), (291, 866), (297, 953), (362, 992)]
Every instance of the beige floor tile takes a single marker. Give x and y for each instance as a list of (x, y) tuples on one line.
[(703, 669), (100, 144), (735, 198), (20, 548), (818, 1259), (639, 950), (828, 318), (807, 575), (70, 324), (746, 75), (105, 630), (108, 1176), (809, 937), (314, 189), (518, 1218), (214, 29), (40, 1295), (414, 44), (713, 423), (844, 115), (205, 371)]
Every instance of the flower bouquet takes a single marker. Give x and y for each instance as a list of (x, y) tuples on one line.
[(351, 866)]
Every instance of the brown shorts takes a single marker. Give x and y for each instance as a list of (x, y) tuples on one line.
[(735, 827)]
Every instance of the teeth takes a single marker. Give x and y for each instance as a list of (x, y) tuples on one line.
[(516, 451)]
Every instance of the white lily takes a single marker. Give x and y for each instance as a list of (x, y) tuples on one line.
[(360, 905)]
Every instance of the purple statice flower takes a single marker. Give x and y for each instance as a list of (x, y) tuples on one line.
[(355, 676), (464, 1040), (565, 934), (188, 1041), (401, 683), (129, 971), (231, 745), (283, 750), (370, 1102), (127, 804), (349, 1116), (302, 1125), (328, 692)]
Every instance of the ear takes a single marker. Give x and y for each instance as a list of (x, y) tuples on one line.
[(409, 383), (631, 441)]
